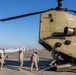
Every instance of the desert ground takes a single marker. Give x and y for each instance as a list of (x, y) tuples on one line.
[(12, 64)]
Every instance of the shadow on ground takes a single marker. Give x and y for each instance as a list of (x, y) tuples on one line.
[(12, 64)]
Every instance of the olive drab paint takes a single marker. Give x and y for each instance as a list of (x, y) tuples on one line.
[(52, 30)]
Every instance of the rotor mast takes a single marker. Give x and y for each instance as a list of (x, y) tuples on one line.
[(59, 4)]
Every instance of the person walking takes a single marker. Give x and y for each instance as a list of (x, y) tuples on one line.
[(55, 56), (34, 60), (1, 61), (21, 51), (5, 56)]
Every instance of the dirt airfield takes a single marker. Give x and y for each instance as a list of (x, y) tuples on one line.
[(12, 64)]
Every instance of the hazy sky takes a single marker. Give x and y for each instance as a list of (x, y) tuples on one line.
[(24, 31)]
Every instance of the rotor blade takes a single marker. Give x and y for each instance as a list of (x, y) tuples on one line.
[(24, 15), (71, 11)]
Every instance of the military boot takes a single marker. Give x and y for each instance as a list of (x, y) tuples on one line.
[(20, 69)]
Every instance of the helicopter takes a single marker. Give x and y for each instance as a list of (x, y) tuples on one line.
[(57, 32)]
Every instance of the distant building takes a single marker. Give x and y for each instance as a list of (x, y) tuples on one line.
[(1, 48)]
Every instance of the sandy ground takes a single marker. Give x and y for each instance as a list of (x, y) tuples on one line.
[(44, 69)]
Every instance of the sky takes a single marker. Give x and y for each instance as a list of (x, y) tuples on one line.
[(24, 32)]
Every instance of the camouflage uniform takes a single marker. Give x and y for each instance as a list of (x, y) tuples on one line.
[(34, 60), (5, 56), (21, 58), (1, 61), (55, 58)]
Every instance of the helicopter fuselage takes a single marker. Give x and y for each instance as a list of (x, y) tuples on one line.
[(57, 31)]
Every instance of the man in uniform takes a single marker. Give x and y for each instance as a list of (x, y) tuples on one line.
[(5, 56), (21, 51), (34, 60), (1, 61), (55, 56)]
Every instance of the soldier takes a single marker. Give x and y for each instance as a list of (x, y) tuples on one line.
[(55, 56), (1, 61), (5, 56), (21, 51), (34, 60)]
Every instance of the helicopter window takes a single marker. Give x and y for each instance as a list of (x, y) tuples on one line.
[(50, 15), (51, 18)]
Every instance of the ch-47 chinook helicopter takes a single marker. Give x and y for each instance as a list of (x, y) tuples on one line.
[(58, 32)]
